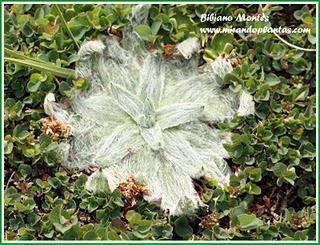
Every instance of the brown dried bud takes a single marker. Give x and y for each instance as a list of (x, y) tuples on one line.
[(208, 221), (54, 128), (131, 190), (115, 32), (168, 50)]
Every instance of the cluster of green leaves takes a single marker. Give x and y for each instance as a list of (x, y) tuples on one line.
[(274, 150), (271, 195), (60, 207)]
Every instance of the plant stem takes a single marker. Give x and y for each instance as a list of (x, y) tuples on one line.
[(294, 46), (56, 6), (15, 54), (9, 180), (44, 67)]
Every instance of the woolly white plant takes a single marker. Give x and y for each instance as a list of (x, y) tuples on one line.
[(147, 116)]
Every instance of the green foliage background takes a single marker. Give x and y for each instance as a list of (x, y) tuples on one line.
[(272, 196)]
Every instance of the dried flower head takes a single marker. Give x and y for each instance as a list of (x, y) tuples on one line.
[(208, 221), (131, 190), (168, 50), (54, 128)]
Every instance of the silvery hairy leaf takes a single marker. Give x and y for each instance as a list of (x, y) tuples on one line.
[(147, 116)]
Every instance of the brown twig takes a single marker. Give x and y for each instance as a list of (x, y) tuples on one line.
[(9, 180)]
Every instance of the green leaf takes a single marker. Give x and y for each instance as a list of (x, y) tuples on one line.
[(300, 94), (155, 27), (220, 44), (249, 221), (254, 173), (263, 93), (182, 227), (65, 88), (112, 235), (144, 226), (26, 29), (78, 31), (307, 19), (81, 83), (290, 175), (55, 215), (133, 217), (278, 50), (15, 110), (44, 140), (279, 130), (20, 132), (279, 169), (144, 31), (35, 81), (26, 206), (272, 79), (253, 189), (30, 151), (73, 233), (285, 141), (8, 147), (24, 170), (62, 228), (90, 235)]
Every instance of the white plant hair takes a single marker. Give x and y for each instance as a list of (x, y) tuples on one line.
[(147, 116)]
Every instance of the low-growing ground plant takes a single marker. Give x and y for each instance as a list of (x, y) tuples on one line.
[(270, 187)]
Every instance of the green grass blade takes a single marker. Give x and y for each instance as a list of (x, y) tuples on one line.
[(44, 67), (57, 8), (15, 54)]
